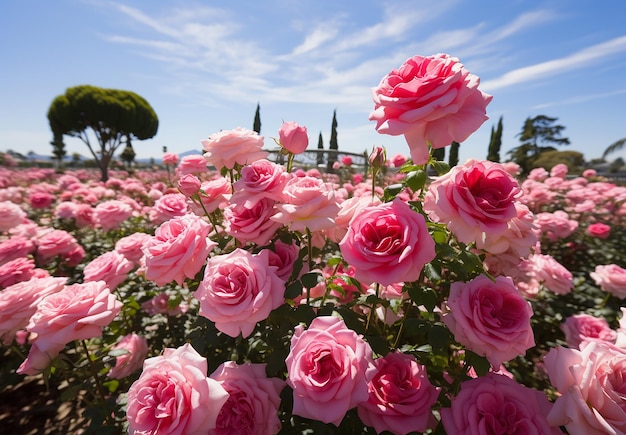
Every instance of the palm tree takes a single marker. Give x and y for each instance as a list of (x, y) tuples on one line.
[(614, 147)]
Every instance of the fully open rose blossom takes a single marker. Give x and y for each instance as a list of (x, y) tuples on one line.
[(11, 215), (233, 147), (283, 256), (173, 395), (387, 243), (496, 404), (329, 367), (293, 137), (583, 327), (169, 206), (110, 267), (490, 318), (239, 289), (430, 100), (253, 400), (193, 164), (136, 348), (178, 249), (400, 396), (59, 243), (261, 179), (473, 199), (77, 312), (20, 269), (599, 230), (251, 223), (591, 386), (15, 247), (110, 214), (131, 246), (611, 278), (170, 159)]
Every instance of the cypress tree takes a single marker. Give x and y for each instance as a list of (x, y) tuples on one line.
[(257, 119), (320, 150), (493, 153), (333, 145), (453, 157)]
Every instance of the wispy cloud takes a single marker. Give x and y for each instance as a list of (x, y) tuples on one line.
[(581, 99), (555, 67)]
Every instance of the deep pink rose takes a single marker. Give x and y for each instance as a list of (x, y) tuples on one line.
[(346, 160), (228, 148), (239, 289), (261, 179), (251, 223), (591, 386), (599, 230), (169, 206), (582, 327), (329, 367), (309, 203), (490, 318), (253, 400), (11, 215), (19, 302), (496, 404), (77, 312), (293, 137), (41, 200), (431, 100), (398, 160), (110, 267), (400, 396), (110, 214), (173, 395), (473, 199), (178, 249), (611, 278), (388, 243), (136, 348)]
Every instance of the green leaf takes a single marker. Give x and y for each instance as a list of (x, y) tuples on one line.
[(416, 180), (293, 290), (480, 363), (441, 167), (439, 338), (310, 280)]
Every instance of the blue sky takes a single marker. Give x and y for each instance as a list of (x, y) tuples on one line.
[(204, 65)]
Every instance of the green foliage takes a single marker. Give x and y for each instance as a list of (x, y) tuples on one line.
[(536, 137), (573, 159), (257, 119), (495, 143)]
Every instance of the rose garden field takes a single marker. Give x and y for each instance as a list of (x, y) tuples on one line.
[(230, 294)]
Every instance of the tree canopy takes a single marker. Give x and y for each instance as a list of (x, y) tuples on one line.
[(111, 114)]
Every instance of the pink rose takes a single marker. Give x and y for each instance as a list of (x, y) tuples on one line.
[(41, 200), (398, 160), (110, 214), (19, 302), (214, 194), (584, 327), (178, 249), (131, 246), (77, 312), (591, 386), (189, 185), (431, 101), (14, 248), (170, 159), (293, 137), (400, 396), (346, 160), (388, 243), (14, 271), (378, 158), (251, 223), (283, 256), (238, 290), (599, 230), (559, 171), (329, 367), (589, 173), (59, 243), (193, 164), (261, 179), (496, 404), (169, 206), (518, 239), (136, 348), (549, 272), (253, 400), (173, 395), (611, 278), (228, 148), (160, 304), (490, 318), (11, 215), (309, 203), (110, 267), (556, 225), (473, 199)]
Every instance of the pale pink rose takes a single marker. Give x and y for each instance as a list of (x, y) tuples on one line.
[(170, 159), (253, 400), (283, 256), (620, 340), (11, 215), (591, 386), (84, 215), (65, 210), (59, 243), (388, 243), (131, 246), (192, 164), (19, 302), (110, 267), (400, 396), (293, 137), (559, 171), (328, 368), (178, 249), (261, 179), (173, 395), (41, 200), (251, 223), (496, 404), (599, 230), (189, 185), (473, 199), (347, 210), (228, 148), (110, 214), (583, 327), (512, 168), (518, 239), (309, 203), (214, 194), (14, 248), (336, 165), (549, 272), (170, 205), (239, 289), (589, 173), (346, 160), (490, 318), (77, 312), (136, 348), (160, 304), (556, 225), (430, 100), (538, 174), (14, 271), (611, 278)]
